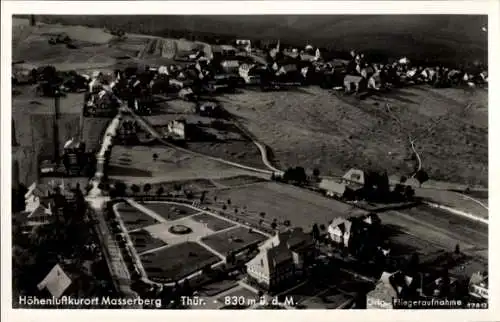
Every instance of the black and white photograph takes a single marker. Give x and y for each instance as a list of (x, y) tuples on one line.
[(247, 161)]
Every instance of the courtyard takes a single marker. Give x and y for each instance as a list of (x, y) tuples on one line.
[(174, 240)]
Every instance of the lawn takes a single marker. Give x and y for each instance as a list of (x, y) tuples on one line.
[(176, 262), (143, 241), (33, 118), (284, 202), (233, 240), (133, 218), (213, 223), (314, 128), (170, 212), (243, 152)]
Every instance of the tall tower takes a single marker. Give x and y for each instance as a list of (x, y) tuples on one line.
[(57, 101), (14, 139)]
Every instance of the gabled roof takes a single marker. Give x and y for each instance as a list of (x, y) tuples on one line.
[(56, 282), (341, 223), (278, 255), (388, 287), (39, 212), (355, 175), (295, 238), (37, 190), (371, 218)]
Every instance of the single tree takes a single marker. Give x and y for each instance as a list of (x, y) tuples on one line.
[(120, 188), (215, 198), (224, 207), (262, 215), (229, 202), (147, 188), (135, 189), (457, 249), (315, 232), (155, 157), (409, 192), (203, 196), (235, 210), (274, 225), (421, 176)]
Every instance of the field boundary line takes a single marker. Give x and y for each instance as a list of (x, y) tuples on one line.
[(475, 200), (458, 212), (145, 210)]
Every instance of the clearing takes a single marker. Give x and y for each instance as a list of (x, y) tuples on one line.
[(283, 202), (129, 164)]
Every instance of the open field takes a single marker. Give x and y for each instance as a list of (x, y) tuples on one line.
[(175, 262), (30, 44), (143, 241), (213, 223), (408, 35), (170, 212), (233, 240), (129, 164), (455, 200), (239, 180), (133, 218), (242, 152), (216, 138), (425, 229), (302, 207), (314, 128)]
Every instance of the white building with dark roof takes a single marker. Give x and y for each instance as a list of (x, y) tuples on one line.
[(281, 257)]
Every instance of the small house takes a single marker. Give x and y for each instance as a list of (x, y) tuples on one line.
[(56, 282), (390, 287), (230, 66), (35, 195), (339, 231), (354, 83), (375, 82), (177, 128), (354, 176), (478, 286)]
